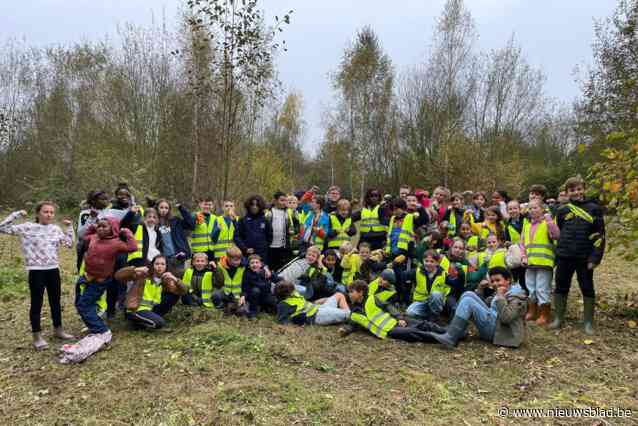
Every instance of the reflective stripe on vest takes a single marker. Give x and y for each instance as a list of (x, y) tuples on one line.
[(233, 285), (152, 295), (207, 286), (201, 237), (577, 211), (376, 320), (406, 236), (225, 237), (370, 221), (341, 229), (301, 305), (540, 252), (421, 291), (139, 237)]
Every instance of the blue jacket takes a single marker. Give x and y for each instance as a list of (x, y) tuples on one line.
[(255, 232), (179, 226)]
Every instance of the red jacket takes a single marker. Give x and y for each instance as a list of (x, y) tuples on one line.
[(99, 260)]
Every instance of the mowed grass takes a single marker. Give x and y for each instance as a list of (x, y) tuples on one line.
[(208, 369)]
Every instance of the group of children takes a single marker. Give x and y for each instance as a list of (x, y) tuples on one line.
[(394, 267)]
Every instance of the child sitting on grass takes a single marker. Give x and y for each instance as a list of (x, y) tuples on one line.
[(228, 278), (368, 313), (256, 288), (40, 244), (294, 308), (500, 320), (198, 280), (157, 291)]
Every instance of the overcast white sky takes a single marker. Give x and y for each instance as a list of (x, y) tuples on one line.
[(555, 35)]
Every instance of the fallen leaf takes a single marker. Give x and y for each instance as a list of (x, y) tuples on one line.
[(632, 324), (588, 341)]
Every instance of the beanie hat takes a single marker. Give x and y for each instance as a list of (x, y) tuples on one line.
[(388, 275)]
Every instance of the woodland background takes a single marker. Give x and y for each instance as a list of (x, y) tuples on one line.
[(199, 109)]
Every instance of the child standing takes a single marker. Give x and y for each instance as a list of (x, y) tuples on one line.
[(580, 249), (40, 244), (373, 227), (538, 256), (223, 234), (202, 236), (341, 227), (104, 241)]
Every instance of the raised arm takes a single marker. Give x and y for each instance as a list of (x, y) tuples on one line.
[(6, 226)]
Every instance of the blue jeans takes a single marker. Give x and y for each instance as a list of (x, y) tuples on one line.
[(329, 313), (539, 284), (429, 309), (86, 303), (472, 308)]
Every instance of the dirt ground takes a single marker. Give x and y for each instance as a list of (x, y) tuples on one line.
[(207, 369)]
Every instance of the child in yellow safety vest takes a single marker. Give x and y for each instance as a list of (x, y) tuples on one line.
[(369, 312), (293, 308), (228, 278), (198, 280), (491, 225), (202, 236), (454, 215), (537, 249), (223, 234), (432, 285), (342, 227), (160, 291)]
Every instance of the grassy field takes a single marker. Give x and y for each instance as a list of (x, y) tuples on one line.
[(212, 370)]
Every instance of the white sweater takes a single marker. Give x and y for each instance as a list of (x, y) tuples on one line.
[(40, 243)]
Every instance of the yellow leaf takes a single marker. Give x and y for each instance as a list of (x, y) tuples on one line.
[(581, 148), (632, 324), (588, 342), (615, 187)]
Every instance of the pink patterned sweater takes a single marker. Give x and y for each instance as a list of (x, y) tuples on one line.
[(40, 243)]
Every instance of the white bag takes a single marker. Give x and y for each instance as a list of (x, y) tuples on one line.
[(513, 257), (80, 351)]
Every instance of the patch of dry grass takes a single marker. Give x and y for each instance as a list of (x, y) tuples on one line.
[(213, 370)]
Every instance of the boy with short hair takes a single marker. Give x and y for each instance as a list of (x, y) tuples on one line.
[(500, 321), (223, 233), (202, 236), (198, 280), (228, 278), (580, 249)]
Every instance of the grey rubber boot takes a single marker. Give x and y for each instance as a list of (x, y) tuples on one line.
[(589, 305), (455, 332), (560, 306), (38, 342)]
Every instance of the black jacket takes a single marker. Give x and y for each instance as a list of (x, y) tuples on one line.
[(579, 238)]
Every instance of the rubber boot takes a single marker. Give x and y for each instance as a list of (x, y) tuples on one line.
[(545, 316), (589, 305), (560, 305), (455, 331), (60, 334), (431, 326), (38, 342), (532, 311)]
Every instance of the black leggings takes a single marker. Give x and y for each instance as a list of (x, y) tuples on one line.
[(48, 279), (565, 268)]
